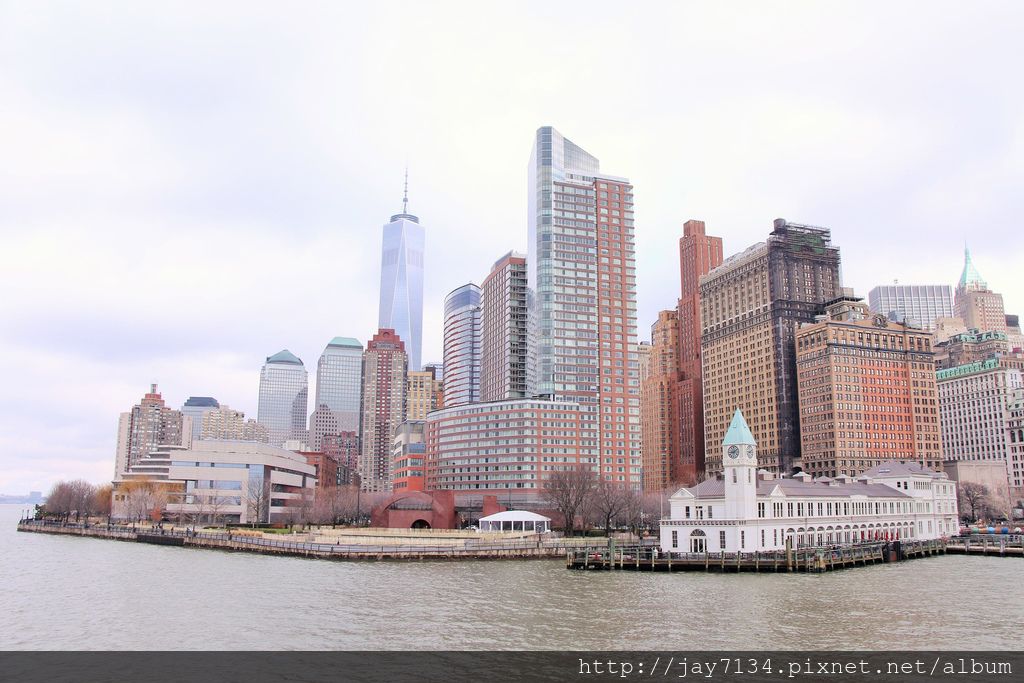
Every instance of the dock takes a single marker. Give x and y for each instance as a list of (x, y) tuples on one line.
[(811, 559)]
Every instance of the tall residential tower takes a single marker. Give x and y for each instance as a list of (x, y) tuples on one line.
[(582, 273)]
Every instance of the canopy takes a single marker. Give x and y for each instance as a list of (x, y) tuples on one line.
[(515, 520)]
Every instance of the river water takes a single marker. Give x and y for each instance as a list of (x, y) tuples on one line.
[(61, 593)]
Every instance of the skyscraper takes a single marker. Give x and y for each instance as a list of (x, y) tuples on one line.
[(658, 404), (195, 407), (462, 346), (978, 306), (750, 307), (503, 336), (698, 255), (147, 425), (867, 392), (383, 401), (401, 280), (583, 309), (339, 379), (918, 305), (284, 390)]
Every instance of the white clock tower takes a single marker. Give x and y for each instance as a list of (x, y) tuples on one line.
[(739, 458)]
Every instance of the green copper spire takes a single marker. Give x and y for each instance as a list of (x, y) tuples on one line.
[(739, 432), (970, 279)]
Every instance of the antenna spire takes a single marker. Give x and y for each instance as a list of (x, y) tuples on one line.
[(405, 196)]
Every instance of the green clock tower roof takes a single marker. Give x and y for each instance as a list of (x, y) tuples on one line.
[(738, 432)]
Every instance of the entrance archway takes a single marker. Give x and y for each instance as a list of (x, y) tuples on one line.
[(698, 542), (420, 524)]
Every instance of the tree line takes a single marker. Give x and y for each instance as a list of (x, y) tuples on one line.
[(77, 498), (586, 501)]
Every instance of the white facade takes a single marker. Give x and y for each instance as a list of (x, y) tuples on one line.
[(749, 510), (234, 480)]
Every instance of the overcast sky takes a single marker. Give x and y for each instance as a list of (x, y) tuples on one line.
[(186, 188)]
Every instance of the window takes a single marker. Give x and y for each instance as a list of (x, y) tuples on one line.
[(760, 509), (675, 539), (721, 540)]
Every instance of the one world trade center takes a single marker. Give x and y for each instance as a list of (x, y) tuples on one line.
[(401, 280)]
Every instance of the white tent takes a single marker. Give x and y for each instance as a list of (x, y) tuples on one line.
[(516, 520)]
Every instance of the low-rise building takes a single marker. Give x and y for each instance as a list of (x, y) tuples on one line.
[(748, 510), (408, 466), (230, 481)]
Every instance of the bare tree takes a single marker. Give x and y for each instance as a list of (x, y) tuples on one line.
[(973, 497), (102, 499), (567, 492), (60, 501), (334, 504), (606, 502), (258, 502), (144, 499)]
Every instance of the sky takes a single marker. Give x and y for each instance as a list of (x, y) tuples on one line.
[(187, 188)]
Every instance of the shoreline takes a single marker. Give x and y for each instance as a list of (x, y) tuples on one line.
[(539, 549)]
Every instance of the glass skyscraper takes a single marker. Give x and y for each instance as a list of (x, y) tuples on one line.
[(195, 407), (338, 387), (462, 346), (917, 305), (582, 312), (284, 388), (401, 281)]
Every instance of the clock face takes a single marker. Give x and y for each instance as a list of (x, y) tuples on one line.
[(750, 451), (734, 451)]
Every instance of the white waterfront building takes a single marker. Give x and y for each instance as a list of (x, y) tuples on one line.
[(747, 510)]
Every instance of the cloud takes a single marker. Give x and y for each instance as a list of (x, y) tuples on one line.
[(185, 190)]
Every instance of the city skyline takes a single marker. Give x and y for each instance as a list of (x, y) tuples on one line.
[(812, 161)]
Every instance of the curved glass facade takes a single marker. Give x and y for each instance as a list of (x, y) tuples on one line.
[(338, 388), (283, 396), (462, 346)]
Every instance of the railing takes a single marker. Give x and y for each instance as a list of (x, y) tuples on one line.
[(550, 547)]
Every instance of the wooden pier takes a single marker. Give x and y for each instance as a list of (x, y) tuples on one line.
[(648, 559), (1003, 545)]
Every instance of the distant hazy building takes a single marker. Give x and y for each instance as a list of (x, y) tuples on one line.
[(226, 424), (284, 390), (462, 346), (969, 347), (582, 273), (147, 425), (401, 281), (195, 407), (424, 393), (750, 308), (658, 407), (384, 395), (867, 392), (916, 305), (339, 379), (978, 306), (975, 402), (345, 448), (503, 336)]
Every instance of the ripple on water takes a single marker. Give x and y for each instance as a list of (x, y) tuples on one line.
[(73, 593)]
